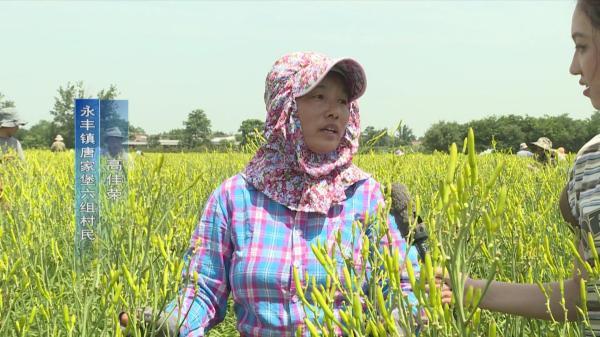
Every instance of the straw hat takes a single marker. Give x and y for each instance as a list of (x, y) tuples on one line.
[(58, 138), (114, 132), (8, 118), (543, 143)]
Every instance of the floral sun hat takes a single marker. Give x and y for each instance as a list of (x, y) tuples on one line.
[(284, 168)]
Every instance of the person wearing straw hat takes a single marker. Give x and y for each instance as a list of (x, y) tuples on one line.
[(10, 146), (524, 151), (58, 145), (113, 144), (543, 151), (9, 125)]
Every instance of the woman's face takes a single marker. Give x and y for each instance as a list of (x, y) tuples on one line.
[(10, 131), (585, 59), (324, 114), (114, 145)]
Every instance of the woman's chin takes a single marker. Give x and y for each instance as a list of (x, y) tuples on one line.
[(323, 150)]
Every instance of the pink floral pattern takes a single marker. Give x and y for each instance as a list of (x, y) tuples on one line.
[(284, 169)]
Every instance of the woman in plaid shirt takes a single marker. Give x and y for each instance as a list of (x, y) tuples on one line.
[(299, 189)]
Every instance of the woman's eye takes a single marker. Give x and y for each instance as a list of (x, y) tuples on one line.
[(580, 47), (318, 96), (343, 101)]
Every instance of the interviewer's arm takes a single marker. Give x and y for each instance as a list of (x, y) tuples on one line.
[(528, 300)]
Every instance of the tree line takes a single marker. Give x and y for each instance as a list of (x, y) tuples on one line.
[(195, 134), (505, 133)]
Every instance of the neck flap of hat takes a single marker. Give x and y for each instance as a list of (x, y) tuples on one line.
[(284, 168)]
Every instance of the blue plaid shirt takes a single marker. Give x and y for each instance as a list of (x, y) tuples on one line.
[(245, 245)]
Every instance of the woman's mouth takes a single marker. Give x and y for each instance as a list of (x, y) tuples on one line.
[(586, 92), (331, 129)]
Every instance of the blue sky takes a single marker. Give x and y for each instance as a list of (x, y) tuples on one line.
[(425, 60)]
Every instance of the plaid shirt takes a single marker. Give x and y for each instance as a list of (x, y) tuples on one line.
[(246, 244)]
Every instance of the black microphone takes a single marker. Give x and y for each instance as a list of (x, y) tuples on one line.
[(399, 209)]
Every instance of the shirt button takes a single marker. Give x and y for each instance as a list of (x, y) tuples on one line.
[(294, 298)]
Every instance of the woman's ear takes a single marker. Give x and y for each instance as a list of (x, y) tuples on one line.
[(565, 209)]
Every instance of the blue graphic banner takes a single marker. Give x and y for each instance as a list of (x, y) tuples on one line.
[(101, 165), (87, 174)]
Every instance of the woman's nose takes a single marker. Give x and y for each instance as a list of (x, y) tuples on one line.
[(574, 67), (334, 109)]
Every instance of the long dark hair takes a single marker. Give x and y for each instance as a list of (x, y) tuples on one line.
[(591, 8)]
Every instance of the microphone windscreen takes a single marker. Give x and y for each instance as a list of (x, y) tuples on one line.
[(399, 208)]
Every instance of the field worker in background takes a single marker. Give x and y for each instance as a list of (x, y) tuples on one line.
[(524, 151), (578, 205), (543, 151), (298, 189), (486, 152), (113, 153), (58, 145), (10, 146), (560, 153), (9, 125), (112, 146)]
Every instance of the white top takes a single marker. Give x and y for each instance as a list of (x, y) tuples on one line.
[(11, 144)]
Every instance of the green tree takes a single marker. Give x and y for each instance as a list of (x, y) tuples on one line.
[(593, 124), (403, 136), (506, 131), (510, 130), (366, 134), (373, 139), (40, 135), (218, 134), (5, 103), (563, 131), (197, 129), (441, 134), (132, 130), (153, 141), (178, 134), (64, 104), (249, 129)]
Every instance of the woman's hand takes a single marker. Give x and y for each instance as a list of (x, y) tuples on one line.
[(165, 325)]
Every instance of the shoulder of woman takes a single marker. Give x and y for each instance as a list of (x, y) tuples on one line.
[(369, 189), (593, 145), (231, 189), (231, 186)]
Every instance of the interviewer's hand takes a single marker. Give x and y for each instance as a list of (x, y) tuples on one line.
[(165, 325), (442, 282)]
